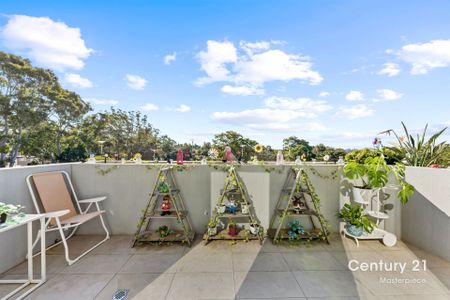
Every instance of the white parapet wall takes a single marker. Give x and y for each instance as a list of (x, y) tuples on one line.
[(128, 187), (426, 217)]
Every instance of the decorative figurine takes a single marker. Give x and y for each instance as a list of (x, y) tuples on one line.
[(228, 154), (180, 158), (232, 206), (280, 158), (296, 206), (297, 160), (165, 206), (340, 161)]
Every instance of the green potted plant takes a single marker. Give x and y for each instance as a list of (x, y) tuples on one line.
[(356, 221), (212, 227), (232, 228), (163, 231), (8, 210), (374, 174)]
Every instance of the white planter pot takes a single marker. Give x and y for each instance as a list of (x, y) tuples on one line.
[(244, 209), (363, 196), (221, 209), (212, 231)]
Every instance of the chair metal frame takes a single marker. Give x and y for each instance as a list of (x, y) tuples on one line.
[(57, 215)]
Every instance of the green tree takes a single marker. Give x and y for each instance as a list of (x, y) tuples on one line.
[(240, 146), (293, 147)]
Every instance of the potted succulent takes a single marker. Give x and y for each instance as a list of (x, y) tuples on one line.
[(212, 227), (374, 174), (8, 210), (232, 228), (356, 221), (295, 229)]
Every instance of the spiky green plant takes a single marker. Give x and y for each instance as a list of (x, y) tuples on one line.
[(419, 151)]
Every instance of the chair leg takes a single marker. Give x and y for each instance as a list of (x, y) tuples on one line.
[(38, 237), (66, 248)]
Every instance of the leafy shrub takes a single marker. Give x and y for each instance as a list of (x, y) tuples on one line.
[(390, 155)]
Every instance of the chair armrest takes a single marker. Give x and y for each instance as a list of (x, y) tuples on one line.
[(92, 200), (56, 214)]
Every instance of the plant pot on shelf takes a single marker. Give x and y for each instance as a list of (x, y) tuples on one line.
[(353, 230), (362, 195), (3, 218), (245, 209), (212, 231), (232, 229), (221, 209)]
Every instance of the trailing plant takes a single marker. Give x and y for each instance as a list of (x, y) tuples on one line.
[(419, 151), (353, 215), (10, 208), (163, 231), (374, 173)]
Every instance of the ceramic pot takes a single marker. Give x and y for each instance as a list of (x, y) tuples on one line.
[(221, 209), (363, 196), (244, 209), (3, 218), (212, 231), (353, 230)]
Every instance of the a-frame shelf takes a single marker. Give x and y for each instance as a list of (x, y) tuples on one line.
[(298, 200), (234, 191), (165, 189)]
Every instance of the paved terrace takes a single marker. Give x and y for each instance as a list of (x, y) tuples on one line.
[(222, 270)]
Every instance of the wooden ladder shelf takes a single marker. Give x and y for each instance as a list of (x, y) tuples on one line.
[(165, 187)]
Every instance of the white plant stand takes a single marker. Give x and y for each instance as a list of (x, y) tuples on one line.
[(372, 209), (28, 220)]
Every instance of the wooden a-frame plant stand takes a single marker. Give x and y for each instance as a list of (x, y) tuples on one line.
[(298, 185), (178, 212), (235, 188)]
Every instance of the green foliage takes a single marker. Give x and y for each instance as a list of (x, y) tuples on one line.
[(354, 215), (293, 147), (374, 173), (391, 155), (419, 151), (240, 146)]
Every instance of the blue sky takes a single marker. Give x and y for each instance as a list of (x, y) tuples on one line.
[(335, 72)]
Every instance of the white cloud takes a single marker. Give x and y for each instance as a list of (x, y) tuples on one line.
[(389, 51), (355, 96), (323, 94), (149, 107), (242, 90), (97, 101), (278, 114), (169, 58), (50, 43), (388, 95), (136, 82), (256, 116), (183, 108), (306, 105), (289, 127), (390, 69), (254, 65), (427, 56), (213, 61), (78, 81), (354, 112)]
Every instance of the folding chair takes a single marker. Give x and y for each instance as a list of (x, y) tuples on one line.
[(51, 193)]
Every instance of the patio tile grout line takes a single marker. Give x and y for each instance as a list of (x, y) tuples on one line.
[(293, 275), (114, 275)]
